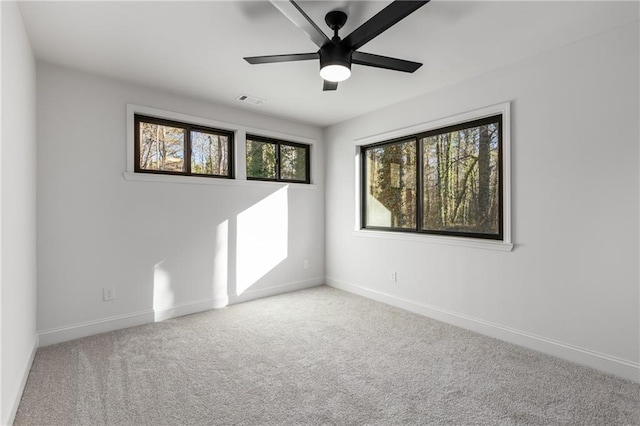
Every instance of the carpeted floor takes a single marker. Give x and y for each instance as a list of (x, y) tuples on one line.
[(318, 356)]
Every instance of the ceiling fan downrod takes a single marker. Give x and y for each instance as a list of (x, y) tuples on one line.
[(335, 20)]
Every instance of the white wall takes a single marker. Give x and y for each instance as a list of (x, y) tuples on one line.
[(170, 247), (17, 210), (570, 287)]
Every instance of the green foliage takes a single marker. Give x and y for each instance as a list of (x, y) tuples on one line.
[(292, 162), (261, 159)]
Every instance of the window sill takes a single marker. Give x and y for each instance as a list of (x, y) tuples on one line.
[(159, 178), (435, 239)]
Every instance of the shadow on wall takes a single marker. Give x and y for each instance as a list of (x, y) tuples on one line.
[(258, 244)]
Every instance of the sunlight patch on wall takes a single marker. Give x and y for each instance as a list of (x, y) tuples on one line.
[(163, 295), (220, 263), (262, 241)]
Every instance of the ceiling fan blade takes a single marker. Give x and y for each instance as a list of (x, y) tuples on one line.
[(270, 59), (386, 62), (381, 22), (295, 14), (329, 85)]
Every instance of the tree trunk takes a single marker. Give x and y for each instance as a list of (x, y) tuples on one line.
[(463, 191), (484, 174)]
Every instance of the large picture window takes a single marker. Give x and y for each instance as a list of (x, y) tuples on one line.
[(446, 181), (172, 147), (276, 160)]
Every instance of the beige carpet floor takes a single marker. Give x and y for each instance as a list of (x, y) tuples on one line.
[(317, 356)]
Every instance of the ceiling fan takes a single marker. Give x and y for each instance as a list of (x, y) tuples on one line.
[(336, 55)]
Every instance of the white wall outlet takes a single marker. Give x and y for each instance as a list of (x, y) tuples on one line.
[(393, 277), (108, 293), (305, 264)]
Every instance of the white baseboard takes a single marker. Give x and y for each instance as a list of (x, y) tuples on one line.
[(189, 308), (74, 331), (272, 291), (25, 375), (603, 362)]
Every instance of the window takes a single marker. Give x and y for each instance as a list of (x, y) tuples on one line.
[(446, 181), (172, 147), (275, 160)]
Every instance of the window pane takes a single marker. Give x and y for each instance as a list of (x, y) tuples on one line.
[(161, 147), (461, 181), (209, 153), (261, 159), (390, 185), (293, 163)]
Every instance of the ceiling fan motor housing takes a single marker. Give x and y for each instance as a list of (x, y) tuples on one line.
[(335, 54)]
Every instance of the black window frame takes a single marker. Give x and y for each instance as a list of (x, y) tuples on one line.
[(418, 138), (278, 143), (188, 128)]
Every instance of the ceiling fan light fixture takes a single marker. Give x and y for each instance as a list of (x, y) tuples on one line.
[(335, 73), (335, 63)]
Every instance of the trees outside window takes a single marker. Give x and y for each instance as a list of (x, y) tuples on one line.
[(275, 160), (171, 147), (391, 183), (446, 181), (209, 153)]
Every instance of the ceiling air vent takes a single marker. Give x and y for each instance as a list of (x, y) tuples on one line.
[(250, 100)]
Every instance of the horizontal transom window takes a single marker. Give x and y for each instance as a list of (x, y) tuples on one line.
[(446, 181), (276, 160), (172, 147)]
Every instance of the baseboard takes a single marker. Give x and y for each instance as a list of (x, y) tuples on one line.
[(189, 308), (25, 375), (272, 291), (75, 331), (103, 325), (205, 305), (606, 363)]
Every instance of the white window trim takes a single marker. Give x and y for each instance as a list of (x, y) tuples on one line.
[(239, 149), (506, 244)]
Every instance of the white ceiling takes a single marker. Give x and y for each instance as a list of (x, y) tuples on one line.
[(196, 48)]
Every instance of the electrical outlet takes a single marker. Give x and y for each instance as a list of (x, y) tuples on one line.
[(393, 277), (108, 293), (305, 264)]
